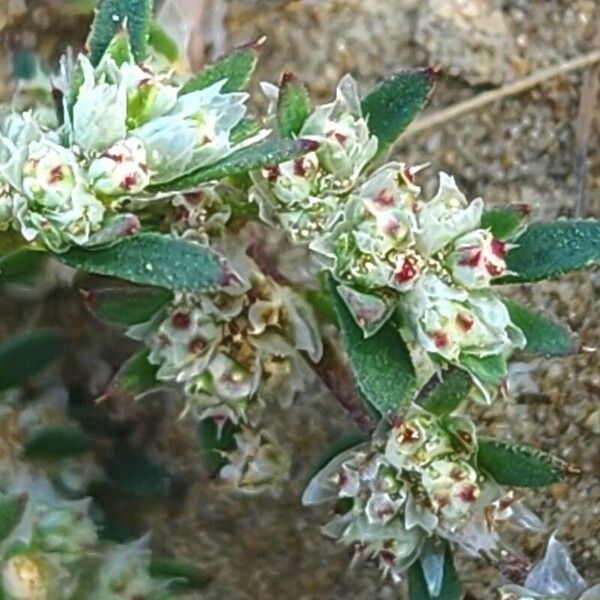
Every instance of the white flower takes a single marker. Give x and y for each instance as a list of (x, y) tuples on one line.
[(25, 578), (446, 216), (121, 169), (257, 464), (477, 258), (100, 111), (193, 134)]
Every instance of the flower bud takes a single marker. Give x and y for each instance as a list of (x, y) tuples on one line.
[(121, 169)]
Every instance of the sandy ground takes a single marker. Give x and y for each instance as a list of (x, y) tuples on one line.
[(518, 150)]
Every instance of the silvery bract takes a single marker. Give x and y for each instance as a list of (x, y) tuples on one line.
[(304, 194)]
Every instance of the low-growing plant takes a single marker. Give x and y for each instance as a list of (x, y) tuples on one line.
[(126, 166)]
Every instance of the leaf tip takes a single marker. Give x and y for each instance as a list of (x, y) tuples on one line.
[(255, 45)]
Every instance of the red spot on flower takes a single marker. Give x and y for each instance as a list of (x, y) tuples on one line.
[(465, 321), (340, 137), (471, 257), (56, 174), (466, 437), (384, 198), (468, 493), (272, 173), (195, 198), (197, 345), (182, 214), (299, 168), (440, 339), (499, 248), (129, 181), (180, 320), (407, 434), (118, 158), (406, 273), (408, 175), (493, 270), (387, 556)]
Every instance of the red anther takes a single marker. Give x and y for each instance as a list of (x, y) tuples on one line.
[(465, 320), (468, 494), (56, 174), (406, 272), (499, 248), (129, 181), (494, 270), (197, 345), (299, 168), (180, 320), (440, 339), (272, 173)]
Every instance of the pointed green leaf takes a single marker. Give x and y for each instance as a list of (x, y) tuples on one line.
[(443, 396), (111, 15), (21, 264), (544, 336), (549, 250), (382, 366), (237, 68), (490, 370), (246, 128), (243, 160), (450, 586), (24, 355), (126, 306), (517, 465), (11, 511), (505, 222), (136, 376), (391, 106), (214, 441), (342, 443), (293, 106), (56, 441), (183, 577), (153, 259)]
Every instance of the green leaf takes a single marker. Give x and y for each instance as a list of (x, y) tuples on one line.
[(243, 160), (237, 68), (162, 42), (340, 444), (110, 17), (185, 577), (490, 370), (20, 264), (133, 472), (382, 366), (549, 250), (517, 465), (24, 355), (126, 306), (293, 106), (56, 441), (246, 128), (395, 102), (11, 511), (136, 376), (544, 336), (442, 397), (214, 442), (153, 259), (504, 222), (450, 587)]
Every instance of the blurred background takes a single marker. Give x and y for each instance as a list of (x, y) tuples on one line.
[(539, 147)]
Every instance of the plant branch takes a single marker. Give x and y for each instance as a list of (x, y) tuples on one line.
[(510, 89)]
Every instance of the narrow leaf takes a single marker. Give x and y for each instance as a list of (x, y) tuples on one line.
[(153, 259), (544, 336), (382, 366), (111, 16), (136, 376), (11, 511), (56, 441), (26, 354), (395, 102), (505, 222), (20, 264), (548, 250), (518, 465), (162, 42), (341, 444), (126, 306), (443, 396), (247, 127), (214, 441), (490, 369), (293, 106), (236, 68), (241, 161), (184, 576), (450, 586)]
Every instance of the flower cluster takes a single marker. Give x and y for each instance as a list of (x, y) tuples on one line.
[(238, 350), (420, 481), (304, 195), (65, 185)]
